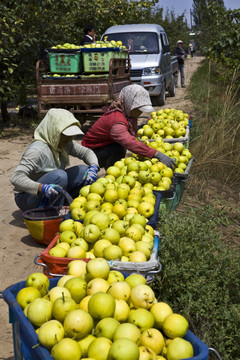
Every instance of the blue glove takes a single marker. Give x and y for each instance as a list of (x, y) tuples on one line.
[(165, 160), (48, 191), (91, 174)]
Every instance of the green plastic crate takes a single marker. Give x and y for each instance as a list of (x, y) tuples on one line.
[(62, 62), (172, 202), (97, 60), (179, 192), (167, 202), (121, 54)]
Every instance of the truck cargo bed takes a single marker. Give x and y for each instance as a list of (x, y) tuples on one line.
[(86, 94)]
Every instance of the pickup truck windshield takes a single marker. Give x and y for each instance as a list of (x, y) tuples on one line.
[(137, 42)]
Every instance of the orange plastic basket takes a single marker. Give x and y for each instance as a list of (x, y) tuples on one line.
[(53, 266), (43, 223)]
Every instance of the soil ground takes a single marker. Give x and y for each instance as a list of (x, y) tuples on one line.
[(17, 248)]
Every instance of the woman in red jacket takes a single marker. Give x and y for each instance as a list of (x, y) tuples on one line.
[(115, 131)]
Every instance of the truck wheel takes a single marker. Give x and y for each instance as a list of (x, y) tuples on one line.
[(171, 88), (161, 99)]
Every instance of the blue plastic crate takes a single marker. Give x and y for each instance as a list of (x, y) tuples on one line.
[(201, 350), (154, 218), (25, 338)]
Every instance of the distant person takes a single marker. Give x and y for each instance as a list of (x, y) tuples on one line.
[(130, 45), (181, 55), (191, 50), (89, 35)]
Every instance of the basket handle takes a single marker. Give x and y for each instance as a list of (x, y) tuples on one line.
[(216, 353), (37, 257), (156, 271), (68, 197)]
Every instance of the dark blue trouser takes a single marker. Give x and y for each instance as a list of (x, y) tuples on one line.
[(70, 179), (109, 154), (181, 71)]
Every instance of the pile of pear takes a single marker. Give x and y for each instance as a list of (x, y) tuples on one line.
[(103, 234), (59, 75), (165, 124), (176, 151), (97, 44), (109, 217), (96, 313)]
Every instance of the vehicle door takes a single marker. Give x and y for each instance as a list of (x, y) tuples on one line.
[(165, 66)]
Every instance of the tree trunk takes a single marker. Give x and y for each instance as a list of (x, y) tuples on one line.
[(5, 114)]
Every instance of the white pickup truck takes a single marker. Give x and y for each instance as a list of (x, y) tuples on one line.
[(152, 65)]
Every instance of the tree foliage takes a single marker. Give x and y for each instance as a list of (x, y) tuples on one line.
[(28, 27), (175, 26), (224, 46), (200, 11), (218, 31)]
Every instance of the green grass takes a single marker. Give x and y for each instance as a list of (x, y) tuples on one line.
[(216, 127), (200, 276), (199, 247)]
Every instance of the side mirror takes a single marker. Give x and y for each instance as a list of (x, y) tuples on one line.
[(166, 48)]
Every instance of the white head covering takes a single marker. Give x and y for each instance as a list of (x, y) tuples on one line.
[(135, 97), (49, 130), (72, 131)]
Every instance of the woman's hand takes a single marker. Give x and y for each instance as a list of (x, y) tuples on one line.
[(91, 174), (48, 190), (165, 160)]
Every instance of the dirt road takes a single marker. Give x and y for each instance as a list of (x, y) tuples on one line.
[(17, 248)]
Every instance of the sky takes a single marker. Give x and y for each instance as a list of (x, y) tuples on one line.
[(184, 6)]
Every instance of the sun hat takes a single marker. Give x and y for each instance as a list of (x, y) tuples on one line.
[(146, 109), (179, 42), (72, 130)]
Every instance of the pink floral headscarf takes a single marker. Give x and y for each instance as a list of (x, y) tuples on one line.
[(132, 97)]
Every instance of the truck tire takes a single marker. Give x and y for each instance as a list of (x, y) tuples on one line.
[(161, 99), (171, 88)]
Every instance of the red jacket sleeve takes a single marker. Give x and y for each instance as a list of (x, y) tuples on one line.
[(120, 134)]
